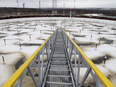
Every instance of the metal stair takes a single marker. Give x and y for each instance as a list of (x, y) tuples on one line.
[(59, 70)]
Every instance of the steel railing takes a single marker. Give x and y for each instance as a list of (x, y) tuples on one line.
[(46, 49), (84, 61)]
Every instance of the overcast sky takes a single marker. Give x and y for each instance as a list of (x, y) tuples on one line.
[(68, 3)]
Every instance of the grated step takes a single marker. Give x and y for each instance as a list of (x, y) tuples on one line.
[(58, 76), (59, 59), (61, 68), (59, 52), (66, 70), (60, 83)]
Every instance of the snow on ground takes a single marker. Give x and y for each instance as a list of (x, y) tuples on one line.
[(96, 37)]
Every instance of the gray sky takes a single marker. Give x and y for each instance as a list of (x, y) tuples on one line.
[(68, 3)]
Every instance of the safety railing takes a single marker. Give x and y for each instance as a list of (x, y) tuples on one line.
[(34, 60), (37, 60), (83, 61)]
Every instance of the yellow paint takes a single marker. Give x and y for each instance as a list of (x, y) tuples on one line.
[(99, 74), (20, 71)]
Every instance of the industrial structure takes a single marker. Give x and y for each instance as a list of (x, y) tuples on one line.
[(74, 12), (59, 71), (54, 7), (63, 9), (39, 7)]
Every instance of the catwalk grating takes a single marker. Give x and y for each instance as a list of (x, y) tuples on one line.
[(59, 74)]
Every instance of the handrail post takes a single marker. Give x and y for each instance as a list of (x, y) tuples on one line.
[(42, 63), (66, 41), (75, 65), (78, 70), (39, 74), (19, 82), (48, 49), (98, 83), (69, 49)]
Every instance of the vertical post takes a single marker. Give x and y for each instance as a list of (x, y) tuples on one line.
[(19, 82), (48, 48), (69, 48), (42, 63), (51, 42), (55, 6), (98, 83), (66, 40), (39, 74), (74, 8), (63, 9), (17, 8), (52, 7), (78, 69), (50, 81), (70, 12), (39, 7), (23, 8), (75, 66), (65, 85)]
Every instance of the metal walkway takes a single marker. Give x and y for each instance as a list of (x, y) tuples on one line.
[(59, 69), (62, 68)]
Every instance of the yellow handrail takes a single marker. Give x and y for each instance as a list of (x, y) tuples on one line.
[(20, 71), (99, 74)]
